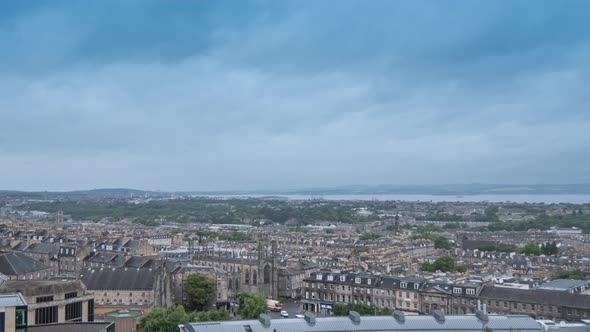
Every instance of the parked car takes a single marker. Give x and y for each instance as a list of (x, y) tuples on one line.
[(284, 314)]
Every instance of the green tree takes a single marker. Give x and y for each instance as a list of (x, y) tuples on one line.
[(554, 249), (577, 274), (163, 320), (444, 264), (442, 242), (251, 305), (532, 248), (207, 316), (368, 237), (201, 291), (168, 319), (342, 309)]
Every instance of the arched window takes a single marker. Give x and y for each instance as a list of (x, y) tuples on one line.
[(254, 277), (230, 284), (237, 284), (267, 274), (247, 277)]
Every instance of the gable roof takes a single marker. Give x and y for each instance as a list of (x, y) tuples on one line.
[(119, 278), (16, 263)]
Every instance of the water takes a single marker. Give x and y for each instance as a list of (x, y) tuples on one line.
[(527, 198)]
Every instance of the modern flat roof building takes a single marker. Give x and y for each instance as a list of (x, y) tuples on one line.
[(354, 322)]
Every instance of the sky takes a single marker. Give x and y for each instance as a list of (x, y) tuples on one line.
[(244, 95)]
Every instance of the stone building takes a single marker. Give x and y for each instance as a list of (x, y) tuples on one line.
[(128, 288), (71, 259), (251, 272), (16, 265), (53, 301)]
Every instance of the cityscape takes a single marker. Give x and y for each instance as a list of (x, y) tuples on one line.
[(294, 166)]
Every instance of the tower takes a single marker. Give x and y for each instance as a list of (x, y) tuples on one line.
[(59, 216)]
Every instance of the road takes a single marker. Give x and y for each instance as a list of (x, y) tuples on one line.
[(290, 307)]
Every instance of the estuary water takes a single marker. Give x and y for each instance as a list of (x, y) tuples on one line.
[(525, 198)]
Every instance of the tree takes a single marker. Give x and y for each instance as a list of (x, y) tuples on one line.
[(342, 309), (532, 248), (442, 242), (251, 305), (444, 264), (163, 320), (168, 319), (554, 248), (576, 275), (201, 291), (368, 237)]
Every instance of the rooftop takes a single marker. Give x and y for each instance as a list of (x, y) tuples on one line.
[(124, 313), (375, 323), (12, 300)]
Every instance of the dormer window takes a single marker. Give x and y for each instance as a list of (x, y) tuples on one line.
[(368, 281), (416, 286), (318, 276), (357, 280), (330, 277), (457, 290), (470, 291), (403, 284), (342, 278)]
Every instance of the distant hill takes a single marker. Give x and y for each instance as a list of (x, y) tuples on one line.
[(115, 193), (453, 190)]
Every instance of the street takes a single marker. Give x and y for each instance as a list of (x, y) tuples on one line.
[(290, 307)]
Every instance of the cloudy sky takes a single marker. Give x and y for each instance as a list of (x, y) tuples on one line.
[(216, 95)]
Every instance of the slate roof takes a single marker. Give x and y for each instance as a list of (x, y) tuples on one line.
[(119, 278), (141, 262), (563, 284), (16, 263), (106, 258), (41, 248), (131, 244), (536, 296), (21, 246)]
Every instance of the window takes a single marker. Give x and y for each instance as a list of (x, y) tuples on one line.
[(318, 276), (91, 310), (416, 286), (357, 280), (342, 278), (46, 315), (457, 290), (74, 311), (42, 299), (368, 281), (21, 317), (470, 291), (330, 277), (403, 284)]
